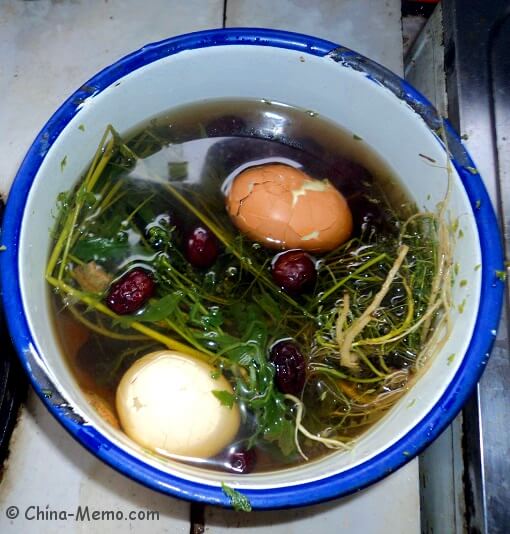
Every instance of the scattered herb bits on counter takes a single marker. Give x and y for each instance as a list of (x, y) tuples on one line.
[(242, 290)]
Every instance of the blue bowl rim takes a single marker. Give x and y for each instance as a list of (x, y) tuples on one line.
[(422, 434)]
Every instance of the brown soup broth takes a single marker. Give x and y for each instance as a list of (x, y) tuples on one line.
[(201, 145)]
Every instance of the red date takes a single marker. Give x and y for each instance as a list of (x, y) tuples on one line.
[(202, 247), (294, 271), (130, 292), (290, 367), (241, 460)]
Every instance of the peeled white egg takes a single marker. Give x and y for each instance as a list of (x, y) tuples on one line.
[(165, 403)]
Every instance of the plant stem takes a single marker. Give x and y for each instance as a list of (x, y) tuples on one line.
[(98, 306), (344, 280)]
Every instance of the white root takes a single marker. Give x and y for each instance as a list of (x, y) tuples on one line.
[(328, 442), (432, 309), (348, 358)]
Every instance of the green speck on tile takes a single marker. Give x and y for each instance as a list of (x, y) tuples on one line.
[(63, 163)]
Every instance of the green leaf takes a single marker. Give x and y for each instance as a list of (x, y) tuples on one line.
[(100, 249), (226, 398), (87, 198), (282, 433), (277, 428), (501, 275), (239, 502), (157, 310), (177, 170), (213, 318), (268, 304)]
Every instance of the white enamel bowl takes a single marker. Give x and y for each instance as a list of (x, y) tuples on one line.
[(340, 85)]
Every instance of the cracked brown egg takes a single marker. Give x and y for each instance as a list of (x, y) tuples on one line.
[(284, 208)]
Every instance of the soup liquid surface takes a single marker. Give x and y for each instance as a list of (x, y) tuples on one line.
[(203, 146)]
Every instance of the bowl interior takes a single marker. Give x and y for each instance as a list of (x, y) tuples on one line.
[(341, 94)]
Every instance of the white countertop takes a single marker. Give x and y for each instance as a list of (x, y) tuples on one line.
[(48, 49)]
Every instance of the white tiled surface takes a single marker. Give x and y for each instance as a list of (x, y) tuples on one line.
[(48, 49), (47, 468), (389, 507), (371, 27)]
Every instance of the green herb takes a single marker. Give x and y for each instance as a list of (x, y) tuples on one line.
[(160, 309), (501, 275), (463, 283), (478, 204), (461, 306), (178, 171), (357, 137), (63, 163), (225, 398), (3, 248), (381, 293), (478, 266), (451, 358), (472, 170), (239, 502), (81, 127)]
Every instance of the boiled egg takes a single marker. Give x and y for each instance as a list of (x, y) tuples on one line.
[(283, 208), (165, 403)]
